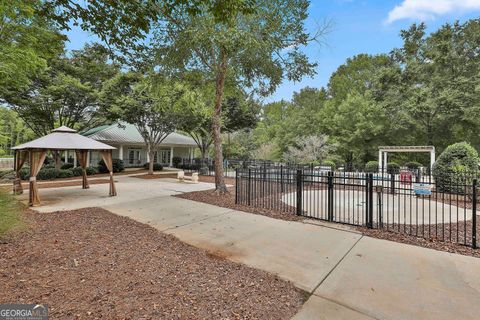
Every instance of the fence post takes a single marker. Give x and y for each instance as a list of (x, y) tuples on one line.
[(392, 183), (330, 196), (370, 200), (249, 185), (299, 192), (474, 214), (236, 185), (281, 178)]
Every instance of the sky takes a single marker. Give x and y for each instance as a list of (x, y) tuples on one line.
[(356, 26)]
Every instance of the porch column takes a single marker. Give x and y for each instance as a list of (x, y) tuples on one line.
[(74, 159), (120, 152), (171, 156), (89, 157), (148, 156)]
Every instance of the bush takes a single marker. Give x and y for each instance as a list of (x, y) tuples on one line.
[(77, 171), (156, 166), (413, 165), (25, 173), (176, 161), (117, 166), (452, 170), (393, 167), (329, 163), (47, 174), (68, 173), (49, 166), (371, 166), (91, 171), (66, 166)]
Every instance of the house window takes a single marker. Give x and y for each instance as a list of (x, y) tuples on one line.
[(155, 157)]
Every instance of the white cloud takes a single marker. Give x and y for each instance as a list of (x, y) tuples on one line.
[(430, 9)]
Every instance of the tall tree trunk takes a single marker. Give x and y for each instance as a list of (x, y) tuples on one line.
[(151, 155), (220, 187)]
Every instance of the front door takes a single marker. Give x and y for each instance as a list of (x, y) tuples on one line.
[(134, 157), (165, 156)]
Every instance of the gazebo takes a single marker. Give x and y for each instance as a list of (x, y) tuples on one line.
[(61, 139)]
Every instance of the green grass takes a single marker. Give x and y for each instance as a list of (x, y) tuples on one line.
[(10, 213)]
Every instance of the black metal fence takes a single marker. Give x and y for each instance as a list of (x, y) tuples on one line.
[(443, 210)]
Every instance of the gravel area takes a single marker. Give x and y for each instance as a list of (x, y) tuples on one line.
[(90, 263)]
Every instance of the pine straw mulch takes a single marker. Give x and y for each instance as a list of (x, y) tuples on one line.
[(90, 263), (433, 241)]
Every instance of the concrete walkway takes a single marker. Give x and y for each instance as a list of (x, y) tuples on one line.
[(348, 276)]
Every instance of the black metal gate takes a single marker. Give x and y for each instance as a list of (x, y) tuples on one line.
[(440, 211)]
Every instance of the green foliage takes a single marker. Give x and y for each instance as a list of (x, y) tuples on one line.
[(13, 131), (329, 163), (48, 174), (77, 171), (413, 165), (91, 171), (156, 166), (66, 166), (393, 167), (68, 173), (66, 93), (453, 169), (371, 166), (10, 213), (117, 164), (176, 161)]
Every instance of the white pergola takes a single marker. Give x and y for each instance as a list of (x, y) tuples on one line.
[(383, 154)]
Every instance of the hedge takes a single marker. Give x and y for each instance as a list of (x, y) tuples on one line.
[(413, 165), (117, 166), (393, 167)]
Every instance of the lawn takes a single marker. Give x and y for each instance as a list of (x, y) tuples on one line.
[(10, 213)]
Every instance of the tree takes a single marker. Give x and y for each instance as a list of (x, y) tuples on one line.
[(257, 49), (154, 106), (12, 130), (310, 149), (27, 42), (67, 93)]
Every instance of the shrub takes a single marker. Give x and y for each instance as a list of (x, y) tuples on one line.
[(67, 173), (413, 165), (91, 171), (77, 171), (156, 166), (25, 173), (452, 170), (176, 161), (47, 174), (371, 166), (66, 166), (49, 166), (117, 166), (393, 167), (329, 163)]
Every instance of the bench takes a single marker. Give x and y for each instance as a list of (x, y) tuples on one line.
[(182, 177)]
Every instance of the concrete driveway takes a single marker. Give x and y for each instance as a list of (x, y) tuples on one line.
[(348, 276)]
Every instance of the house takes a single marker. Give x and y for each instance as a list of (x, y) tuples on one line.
[(131, 147)]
